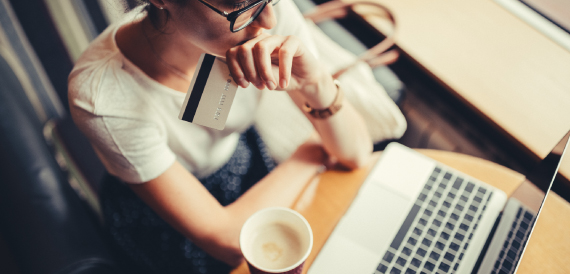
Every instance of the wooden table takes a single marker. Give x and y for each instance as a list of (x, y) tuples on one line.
[(327, 198), (513, 76)]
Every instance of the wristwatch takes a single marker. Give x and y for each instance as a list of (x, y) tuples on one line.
[(331, 110)]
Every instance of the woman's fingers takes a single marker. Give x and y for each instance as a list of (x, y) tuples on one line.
[(286, 54), (262, 55), (256, 60), (241, 64), (275, 50), (235, 69), (247, 65)]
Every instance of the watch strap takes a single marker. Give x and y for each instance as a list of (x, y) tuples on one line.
[(331, 110)]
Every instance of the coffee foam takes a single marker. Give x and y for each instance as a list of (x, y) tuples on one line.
[(276, 246)]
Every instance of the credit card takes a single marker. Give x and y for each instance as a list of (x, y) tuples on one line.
[(211, 94)]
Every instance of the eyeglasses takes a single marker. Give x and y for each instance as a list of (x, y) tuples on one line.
[(241, 18)]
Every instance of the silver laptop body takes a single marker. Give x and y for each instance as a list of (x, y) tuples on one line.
[(416, 215)]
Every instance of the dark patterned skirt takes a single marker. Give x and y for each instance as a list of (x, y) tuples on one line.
[(154, 245)]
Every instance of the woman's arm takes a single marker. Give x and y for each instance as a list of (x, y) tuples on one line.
[(181, 200), (344, 135)]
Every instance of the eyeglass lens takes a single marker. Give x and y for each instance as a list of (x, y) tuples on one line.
[(246, 18)]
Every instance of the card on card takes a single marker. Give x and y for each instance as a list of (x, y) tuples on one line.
[(211, 94)]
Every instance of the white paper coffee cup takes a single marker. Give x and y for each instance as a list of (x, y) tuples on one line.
[(276, 240)]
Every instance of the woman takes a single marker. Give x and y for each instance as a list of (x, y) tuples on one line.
[(178, 193)]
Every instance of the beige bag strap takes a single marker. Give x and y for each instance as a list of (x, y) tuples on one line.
[(375, 56)]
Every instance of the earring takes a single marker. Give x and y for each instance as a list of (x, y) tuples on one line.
[(161, 8)]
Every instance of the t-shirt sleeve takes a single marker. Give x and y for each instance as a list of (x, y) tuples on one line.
[(132, 149), (108, 106)]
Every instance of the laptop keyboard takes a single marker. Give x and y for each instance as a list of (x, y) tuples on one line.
[(438, 228), (513, 246)]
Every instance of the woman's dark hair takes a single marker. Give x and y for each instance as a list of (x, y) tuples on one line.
[(150, 9)]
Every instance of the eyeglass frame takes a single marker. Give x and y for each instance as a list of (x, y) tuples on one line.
[(232, 16)]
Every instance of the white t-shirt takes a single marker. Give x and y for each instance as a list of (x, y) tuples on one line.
[(132, 121)]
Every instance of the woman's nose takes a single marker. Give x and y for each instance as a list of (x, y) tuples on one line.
[(266, 18)]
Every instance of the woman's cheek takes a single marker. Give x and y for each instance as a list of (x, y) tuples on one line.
[(215, 41)]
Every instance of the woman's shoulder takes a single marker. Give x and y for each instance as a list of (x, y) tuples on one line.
[(91, 72), (102, 86), (100, 49), (104, 45), (99, 75)]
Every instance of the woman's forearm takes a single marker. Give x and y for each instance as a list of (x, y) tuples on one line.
[(280, 187), (344, 134), (184, 203)]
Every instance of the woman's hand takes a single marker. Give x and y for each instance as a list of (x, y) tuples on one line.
[(270, 59), (276, 62)]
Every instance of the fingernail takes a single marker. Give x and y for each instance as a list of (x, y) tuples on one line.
[(243, 83), (283, 83), (259, 84), (271, 85)]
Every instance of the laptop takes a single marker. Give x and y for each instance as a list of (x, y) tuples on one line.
[(415, 215), (550, 17)]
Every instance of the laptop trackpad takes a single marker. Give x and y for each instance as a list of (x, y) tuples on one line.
[(343, 256), (373, 220)]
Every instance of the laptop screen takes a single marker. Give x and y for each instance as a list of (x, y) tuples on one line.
[(554, 10), (550, 17), (534, 190)]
